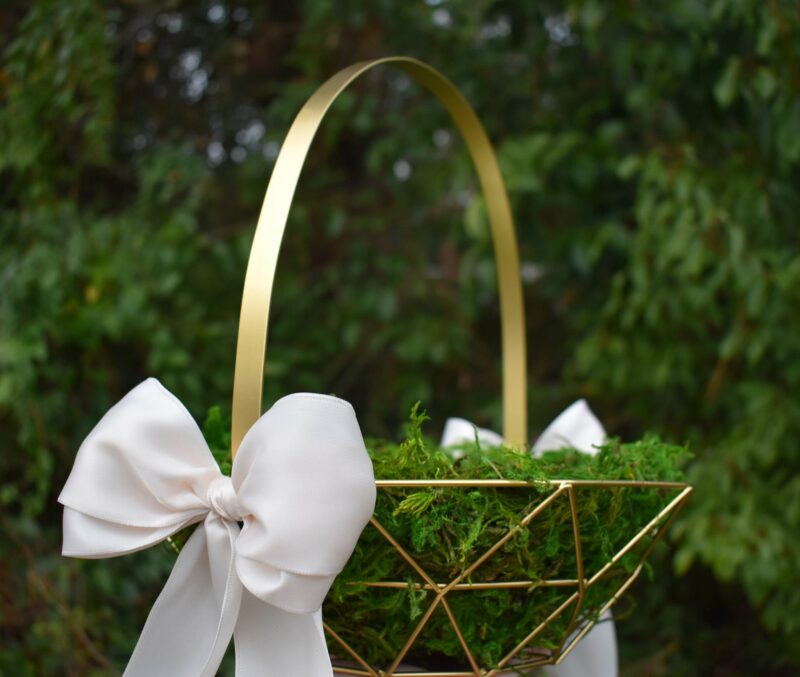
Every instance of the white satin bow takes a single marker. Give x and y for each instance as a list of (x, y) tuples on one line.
[(576, 427), (301, 484)]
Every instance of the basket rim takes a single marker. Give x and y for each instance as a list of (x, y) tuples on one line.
[(521, 484)]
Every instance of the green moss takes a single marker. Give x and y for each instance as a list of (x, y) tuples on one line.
[(446, 529), (217, 431)]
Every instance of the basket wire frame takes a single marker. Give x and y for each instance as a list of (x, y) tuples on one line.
[(577, 626)]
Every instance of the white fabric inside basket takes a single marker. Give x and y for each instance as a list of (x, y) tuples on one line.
[(576, 427)]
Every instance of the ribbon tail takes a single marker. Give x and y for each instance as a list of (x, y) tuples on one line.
[(191, 622), (271, 642), (595, 654)]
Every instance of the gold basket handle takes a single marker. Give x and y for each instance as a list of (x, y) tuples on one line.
[(258, 282)]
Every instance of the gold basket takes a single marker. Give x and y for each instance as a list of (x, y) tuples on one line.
[(249, 372), (523, 655)]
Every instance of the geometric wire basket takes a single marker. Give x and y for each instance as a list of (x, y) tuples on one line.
[(247, 401), (523, 655)]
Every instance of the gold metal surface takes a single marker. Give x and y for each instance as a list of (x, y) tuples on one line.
[(518, 484), (555, 583), (251, 344), (522, 656)]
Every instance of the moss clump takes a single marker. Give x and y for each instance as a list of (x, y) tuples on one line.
[(446, 529)]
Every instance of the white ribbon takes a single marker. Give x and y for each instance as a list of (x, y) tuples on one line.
[(578, 428), (301, 484)]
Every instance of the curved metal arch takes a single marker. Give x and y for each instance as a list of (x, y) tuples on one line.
[(262, 264)]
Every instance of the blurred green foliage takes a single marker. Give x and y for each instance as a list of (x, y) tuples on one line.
[(651, 151)]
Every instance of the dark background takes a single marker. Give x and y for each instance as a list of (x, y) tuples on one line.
[(652, 154)]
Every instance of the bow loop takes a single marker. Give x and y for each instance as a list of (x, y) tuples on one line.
[(308, 490), (309, 487), (141, 474)]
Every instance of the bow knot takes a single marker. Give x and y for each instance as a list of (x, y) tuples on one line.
[(222, 499), (145, 472)]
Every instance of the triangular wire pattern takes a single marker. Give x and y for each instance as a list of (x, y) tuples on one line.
[(516, 658)]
